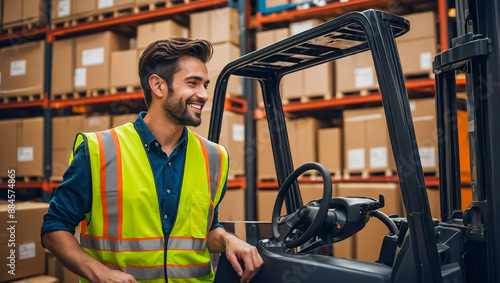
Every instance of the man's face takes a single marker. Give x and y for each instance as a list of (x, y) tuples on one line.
[(187, 95)]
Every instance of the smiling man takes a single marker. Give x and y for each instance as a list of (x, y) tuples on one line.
[(147, 193)]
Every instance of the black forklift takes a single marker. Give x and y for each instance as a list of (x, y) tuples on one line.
[(463, 246)]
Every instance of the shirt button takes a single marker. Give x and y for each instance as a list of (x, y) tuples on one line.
[(169, 163), (168, 191), (165, 216), (156, 144)]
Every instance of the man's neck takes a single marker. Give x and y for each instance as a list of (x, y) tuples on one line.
[(166, 132)]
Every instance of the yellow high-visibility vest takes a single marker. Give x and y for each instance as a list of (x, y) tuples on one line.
[(123, 230)]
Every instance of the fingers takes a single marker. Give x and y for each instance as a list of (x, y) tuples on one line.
[(231, 257), (253, 263)]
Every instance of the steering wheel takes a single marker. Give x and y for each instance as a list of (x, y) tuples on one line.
[(295, 219)]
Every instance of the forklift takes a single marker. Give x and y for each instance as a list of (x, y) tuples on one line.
[(463, 246)]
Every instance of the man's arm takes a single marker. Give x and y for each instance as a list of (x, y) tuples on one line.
[(65, 247), (219, 240)]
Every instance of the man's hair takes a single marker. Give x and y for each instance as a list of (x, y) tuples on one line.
[(161, 57)]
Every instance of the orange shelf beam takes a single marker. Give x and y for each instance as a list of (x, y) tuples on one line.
[(237, 183), (23, 185), (97, 99), (238, 105), (161, 12), (327, 10), (24, 33), (24, 104)]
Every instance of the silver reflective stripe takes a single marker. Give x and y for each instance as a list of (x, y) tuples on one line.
[(121, 246), (111, 183), (143, 273), (214, 165), (189, 271), (186, 244)]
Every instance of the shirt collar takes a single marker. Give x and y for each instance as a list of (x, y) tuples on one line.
[(148, 138)]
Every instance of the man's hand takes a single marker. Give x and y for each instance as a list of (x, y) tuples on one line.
[(238, 250), (115, 276)]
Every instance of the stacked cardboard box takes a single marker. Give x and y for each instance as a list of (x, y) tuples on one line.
[(367, 144), (61, 10), (21, 12), (330, 150), (265, 159), (64, 131), (22, 147), (221, 28), (89, 60), (312, 82), (22, 69), (416, 49), (303, 139), (366, 244), (56, 269), (232, 137), (105, 6), (20, 242), (232, 207), (149, 33), (118, 120), (82, 8)]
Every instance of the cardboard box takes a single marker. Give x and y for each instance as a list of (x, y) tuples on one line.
[(303, 139), (368, 241), (124, 68), (149, 33), (93, 56), (65, 129), (56, 269), (417, 55), (312, 82), (355, 73), (268, 37), (265, 204), (423, 25), (223, 54), (433, 196), (96, 123), (217, 26), (232, 137), (313, 191), (367, 145), (265, 158), (63, 66), (232, 207), (81, 7), (111, 5), (8, 146), (12, 11), (30, 147), (234, 85), (22, 69), (330, 149), (61, 9), (302, 26), (38, 279), (425, 125), (35, 11), (118, 120), (275, 3), (60, 162), (28, 255)]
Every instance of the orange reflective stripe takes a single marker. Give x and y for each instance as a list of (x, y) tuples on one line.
[(83, 227), (119, 181), (102, 169), (205, 154)]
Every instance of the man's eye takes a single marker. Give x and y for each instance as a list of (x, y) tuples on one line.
[(192, 83), (206, 86)]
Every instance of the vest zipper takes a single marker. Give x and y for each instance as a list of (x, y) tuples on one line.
[(165, 257)]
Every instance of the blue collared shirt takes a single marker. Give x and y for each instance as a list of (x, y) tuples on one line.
[(73, 197)]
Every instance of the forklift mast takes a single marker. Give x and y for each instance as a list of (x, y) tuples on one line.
[(476, 52)]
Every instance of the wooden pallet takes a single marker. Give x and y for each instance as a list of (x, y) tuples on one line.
[(61, 23), (368, 173), (81, 19), (65, 95), (314, 175), (90, 93), (150, 6), (360, 92), (22, 26), (25, 179), (114, 12), (126, 89), (9, 98), (308, 98)]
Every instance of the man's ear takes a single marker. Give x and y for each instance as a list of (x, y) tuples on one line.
[(156, 85)]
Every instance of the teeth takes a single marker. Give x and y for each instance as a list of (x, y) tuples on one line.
[(195, 106)]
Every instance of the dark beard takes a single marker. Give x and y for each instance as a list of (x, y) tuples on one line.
[(178, 112)]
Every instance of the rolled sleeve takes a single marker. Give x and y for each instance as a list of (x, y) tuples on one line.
[(72, 198)]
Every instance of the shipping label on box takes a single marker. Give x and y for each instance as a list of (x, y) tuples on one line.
[(378, 157), (93, 56), (80, 77), (25, 154), (18, 68), (101, 4), (64, 8), (356, 159)]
